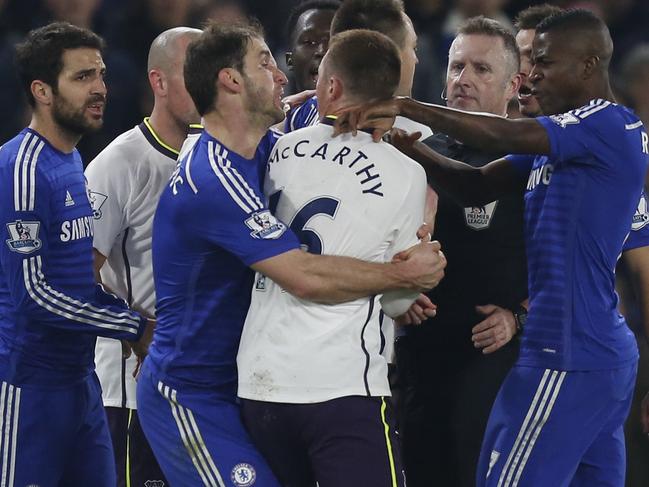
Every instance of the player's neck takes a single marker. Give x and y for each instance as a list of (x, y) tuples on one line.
[(167, 128), (236, 131), (60, 138)]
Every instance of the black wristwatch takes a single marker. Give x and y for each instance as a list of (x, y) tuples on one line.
[(520, 315)]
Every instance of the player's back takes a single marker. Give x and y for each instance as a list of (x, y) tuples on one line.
[(342, 196)]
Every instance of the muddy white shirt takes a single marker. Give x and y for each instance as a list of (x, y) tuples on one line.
[(341, 196)]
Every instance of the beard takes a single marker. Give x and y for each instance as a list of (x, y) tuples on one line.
[(261, 106), (74, 120)]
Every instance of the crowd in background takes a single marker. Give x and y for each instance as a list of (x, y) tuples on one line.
[(129, 26)]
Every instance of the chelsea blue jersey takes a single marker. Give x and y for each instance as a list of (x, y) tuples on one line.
[(51, 310), (579, 204), (302, 116), (211, 224)]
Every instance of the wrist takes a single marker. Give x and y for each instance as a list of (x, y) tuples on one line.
[(520, 317)]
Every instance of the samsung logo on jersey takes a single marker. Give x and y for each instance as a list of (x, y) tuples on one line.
[(540, 175), (78, 228)]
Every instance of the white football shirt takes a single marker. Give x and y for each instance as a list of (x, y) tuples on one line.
[(342, 196), (124, 183)]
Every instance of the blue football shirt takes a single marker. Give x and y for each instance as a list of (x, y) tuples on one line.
[(302, 116), (579, 203), (51, 310), (211, 224)]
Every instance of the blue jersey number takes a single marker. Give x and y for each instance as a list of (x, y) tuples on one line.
[(325, 205)]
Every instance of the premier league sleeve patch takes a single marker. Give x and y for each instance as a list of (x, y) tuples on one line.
[(264, 225), (641, 217), (97, 200), (24, 236)]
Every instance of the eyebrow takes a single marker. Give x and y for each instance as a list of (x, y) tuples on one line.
[(89, 71)]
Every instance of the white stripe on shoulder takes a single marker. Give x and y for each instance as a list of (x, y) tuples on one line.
[(4, 445), (219, 169), (188, 171), (633, 126), (17, 168), (594, 109), (239, 183), (24, 177), (32, 176)]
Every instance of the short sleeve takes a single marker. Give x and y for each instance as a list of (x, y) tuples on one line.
[(109, 186), (578, 135), (522, 163), (231, 214)]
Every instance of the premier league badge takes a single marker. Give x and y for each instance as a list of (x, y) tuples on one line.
[(264, 225), (23, 236)]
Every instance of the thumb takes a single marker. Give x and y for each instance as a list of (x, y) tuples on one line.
[(486, 309)]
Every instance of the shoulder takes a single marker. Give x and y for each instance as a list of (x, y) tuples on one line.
[(597, 113), (119, 157)]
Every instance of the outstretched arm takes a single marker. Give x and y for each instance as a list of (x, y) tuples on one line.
[(468, 185), (498, 134)]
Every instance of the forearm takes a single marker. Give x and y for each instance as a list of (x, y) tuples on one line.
[(337, 279), (467, 185), (493, 133)]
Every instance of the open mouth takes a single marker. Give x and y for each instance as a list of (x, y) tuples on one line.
[(96, 109)]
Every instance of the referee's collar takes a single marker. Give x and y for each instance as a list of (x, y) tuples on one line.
[(154, 139)]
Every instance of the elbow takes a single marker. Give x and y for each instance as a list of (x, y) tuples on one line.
[(304, 288)]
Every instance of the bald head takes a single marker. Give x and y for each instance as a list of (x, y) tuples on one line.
[(584, 32), (169, 47)]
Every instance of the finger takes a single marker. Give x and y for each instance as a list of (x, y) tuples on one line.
[(436, 246), (492, 348), (486, 309), (482, 326), (413, 137), (425, 302), (414, 318), (423, 231), (485, 335)]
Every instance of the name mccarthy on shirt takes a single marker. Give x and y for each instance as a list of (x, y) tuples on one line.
[(354, 160)]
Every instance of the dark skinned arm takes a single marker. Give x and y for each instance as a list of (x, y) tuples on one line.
[(469, 186), (491, 132)]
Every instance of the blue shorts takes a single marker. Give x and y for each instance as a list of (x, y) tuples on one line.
[(557, 428), (55, 437), (198, 438)]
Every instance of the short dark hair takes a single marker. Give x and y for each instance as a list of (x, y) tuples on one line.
[(40, 56), (532, 16), (305, 6), (570, 20), (384, 16), (481, 25), (368, 62), (220, 46)]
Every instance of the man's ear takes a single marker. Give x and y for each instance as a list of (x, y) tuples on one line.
[(591, 65), (42, 92), (230, 79)]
